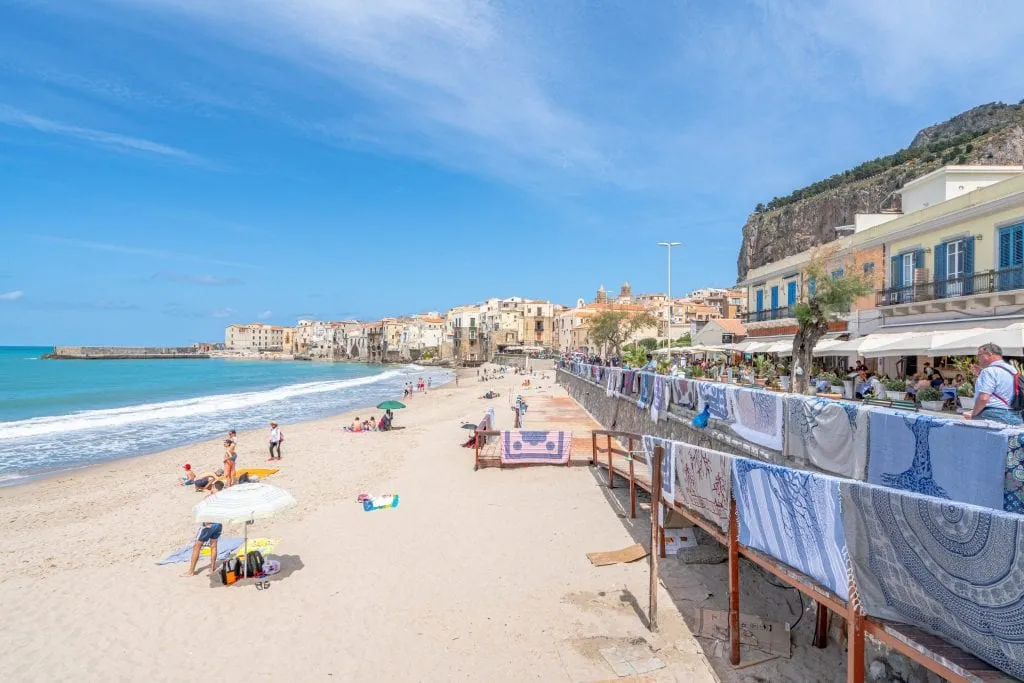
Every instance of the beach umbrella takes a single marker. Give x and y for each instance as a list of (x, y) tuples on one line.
[(469, 425), (242, 504), (390, 405)]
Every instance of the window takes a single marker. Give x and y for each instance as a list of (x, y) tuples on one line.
[(812, 286), (908, 270), (869, 267), (836, 274), (954, 260)]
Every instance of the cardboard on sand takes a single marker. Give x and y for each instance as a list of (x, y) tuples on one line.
[(628, 554)]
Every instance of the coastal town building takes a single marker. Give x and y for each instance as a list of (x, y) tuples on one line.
[(572, 326), (720, 331), (952, 260), (253, 337)]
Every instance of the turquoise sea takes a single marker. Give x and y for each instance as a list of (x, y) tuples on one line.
[(62, 414)]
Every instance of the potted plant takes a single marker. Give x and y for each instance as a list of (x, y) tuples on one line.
[(895, 389), (930, 398), (834, 381), (782, 371), (965, 393)]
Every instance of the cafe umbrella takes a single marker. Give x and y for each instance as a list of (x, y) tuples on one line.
[(243, 504)]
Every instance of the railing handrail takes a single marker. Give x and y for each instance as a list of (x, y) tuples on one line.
[(613, 432)]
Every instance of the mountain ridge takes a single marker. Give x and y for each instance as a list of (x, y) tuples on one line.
[(989, 134)]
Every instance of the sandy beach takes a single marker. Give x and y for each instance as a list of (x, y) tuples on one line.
[(476, 576)]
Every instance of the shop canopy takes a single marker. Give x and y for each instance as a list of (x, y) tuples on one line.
[(966, 342)]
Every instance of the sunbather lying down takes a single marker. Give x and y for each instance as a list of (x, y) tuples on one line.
[(491, 394)]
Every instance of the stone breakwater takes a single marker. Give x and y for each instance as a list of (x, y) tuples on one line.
[(123, 352)]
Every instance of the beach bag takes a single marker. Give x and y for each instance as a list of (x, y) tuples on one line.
[(230, 571), (1017, 402), (254, 563), (700, 420)]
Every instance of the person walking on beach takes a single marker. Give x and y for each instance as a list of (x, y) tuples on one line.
[(229, 462), (276, 439), (208, 533)]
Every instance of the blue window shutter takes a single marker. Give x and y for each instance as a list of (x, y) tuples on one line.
[(919, 258), (940, 270), (760, 300), (897, 272), (775, 297), (812, 286), (940, 261), (969, 256), (791, 293), (1005, 247), (1018, 246)]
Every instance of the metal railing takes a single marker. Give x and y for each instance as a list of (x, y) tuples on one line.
[(769, 314), (987, 282)]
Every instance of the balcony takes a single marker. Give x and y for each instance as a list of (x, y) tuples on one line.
[(770, 314), (936, 294)]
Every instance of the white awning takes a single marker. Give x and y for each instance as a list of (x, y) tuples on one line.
[(906, 344), (966, 342), (830, 347)]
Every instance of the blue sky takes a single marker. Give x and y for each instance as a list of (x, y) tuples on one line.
[(169, 166)]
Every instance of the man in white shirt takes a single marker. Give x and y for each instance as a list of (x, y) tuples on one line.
[(276, 439), (995, 388)]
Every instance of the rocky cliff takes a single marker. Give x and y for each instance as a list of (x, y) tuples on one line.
[(989, 134)]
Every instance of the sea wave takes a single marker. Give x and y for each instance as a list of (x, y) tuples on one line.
[(167, 410)]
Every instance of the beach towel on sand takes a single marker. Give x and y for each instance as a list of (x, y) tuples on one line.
[(956, 571), (535, 448), (225, 547)]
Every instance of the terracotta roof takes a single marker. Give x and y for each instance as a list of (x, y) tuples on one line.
[(731, 325)]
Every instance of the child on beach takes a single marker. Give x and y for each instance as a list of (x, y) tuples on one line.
[(190, 476)]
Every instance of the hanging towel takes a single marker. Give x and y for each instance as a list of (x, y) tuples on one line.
[(954, 570), (646, 390), (610, 388), (794, 516), (831, 435), (757, 416), (937, 457), (1013, 484), (668, 465), (684, 393), (713, 397), (659, 404), (536, 448), (627, 382), (703, 482)]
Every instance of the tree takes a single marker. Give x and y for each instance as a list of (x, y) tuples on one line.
[(613, 328), (832, 296), (685, 340)]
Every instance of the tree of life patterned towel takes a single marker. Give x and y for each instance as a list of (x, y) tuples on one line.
[(536, 448)]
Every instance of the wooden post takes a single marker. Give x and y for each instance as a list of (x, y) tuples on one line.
[(476, 447), (611, 471), (652, 611), (821, 627), (734, 585), (632, 490), (593, 448), (855, 648)]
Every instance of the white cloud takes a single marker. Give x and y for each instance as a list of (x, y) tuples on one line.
[(454, 80), (265, 314), (21, 119), (12, 296)]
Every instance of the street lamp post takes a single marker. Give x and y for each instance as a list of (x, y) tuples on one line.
[(668, 246)]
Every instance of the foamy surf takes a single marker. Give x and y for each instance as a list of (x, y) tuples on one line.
[(147, 412)]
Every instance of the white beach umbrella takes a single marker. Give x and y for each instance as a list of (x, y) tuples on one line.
[(243, 503)]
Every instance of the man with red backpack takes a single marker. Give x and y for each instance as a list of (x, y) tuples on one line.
[(998, 391)]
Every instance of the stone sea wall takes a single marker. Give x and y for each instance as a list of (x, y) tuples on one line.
[(124, 352)]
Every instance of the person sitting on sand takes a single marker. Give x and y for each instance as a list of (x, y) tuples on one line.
[(209, 532), (189, 477), (206, 482), (357, 426)]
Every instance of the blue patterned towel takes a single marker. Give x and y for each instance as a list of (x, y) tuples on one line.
[(757, 416), (659, 403), (954, 570), (646, 390), (713, 396), (794, 516), (950, 459), (1013, 484), (831, 435)]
